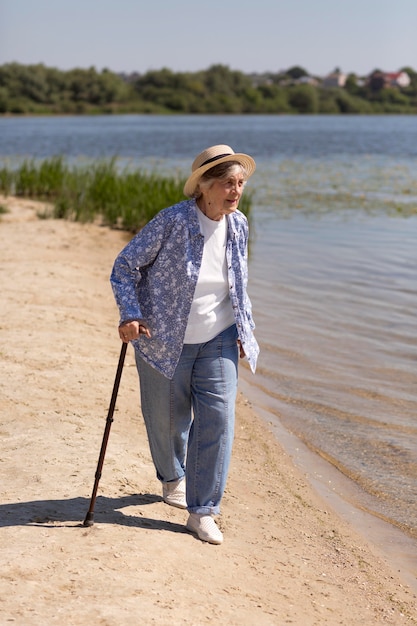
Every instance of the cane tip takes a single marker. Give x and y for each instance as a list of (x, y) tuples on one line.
[(89, 520)]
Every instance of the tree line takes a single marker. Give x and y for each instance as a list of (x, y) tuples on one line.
[(37, 89)]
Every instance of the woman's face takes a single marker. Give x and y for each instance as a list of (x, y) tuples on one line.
[(222, 197)]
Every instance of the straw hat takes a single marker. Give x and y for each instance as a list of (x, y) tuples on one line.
[(214, 156)]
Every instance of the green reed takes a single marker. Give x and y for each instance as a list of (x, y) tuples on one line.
[(6, 181), (40, 180), (97, 191)]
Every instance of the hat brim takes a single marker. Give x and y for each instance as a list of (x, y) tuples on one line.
[(244, 159)]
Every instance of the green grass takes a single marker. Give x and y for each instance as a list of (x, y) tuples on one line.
[(97, 191)]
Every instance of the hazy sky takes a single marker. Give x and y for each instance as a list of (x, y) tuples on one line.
[(189, 35)]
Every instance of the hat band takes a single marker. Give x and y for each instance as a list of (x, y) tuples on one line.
[(216, 158)]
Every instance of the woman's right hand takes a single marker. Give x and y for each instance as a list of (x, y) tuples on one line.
[(132, 330)]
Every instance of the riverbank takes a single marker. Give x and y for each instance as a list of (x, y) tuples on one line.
[(287, 557)]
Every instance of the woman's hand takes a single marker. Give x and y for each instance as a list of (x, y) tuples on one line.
[(132, 330), (241, 350)]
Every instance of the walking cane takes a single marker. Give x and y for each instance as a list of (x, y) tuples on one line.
[(89, 519)]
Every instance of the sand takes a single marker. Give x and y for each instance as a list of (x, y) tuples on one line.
[(287, 557)]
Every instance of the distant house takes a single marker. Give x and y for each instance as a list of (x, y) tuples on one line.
[(397, 79), (335, 79), (383, 80), (307, 80)]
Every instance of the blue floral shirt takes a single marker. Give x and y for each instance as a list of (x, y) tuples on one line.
[(155, 275)]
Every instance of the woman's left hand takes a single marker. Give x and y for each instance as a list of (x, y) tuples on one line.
[(241, 350)]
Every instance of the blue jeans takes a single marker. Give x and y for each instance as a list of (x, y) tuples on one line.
[(190, 419)]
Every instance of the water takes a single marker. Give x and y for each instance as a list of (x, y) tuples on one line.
[(333, 260), (338, 335)]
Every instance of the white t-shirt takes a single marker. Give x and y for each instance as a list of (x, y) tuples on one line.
[(211, 309)]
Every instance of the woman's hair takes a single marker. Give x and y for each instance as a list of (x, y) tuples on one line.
[(220, 172)]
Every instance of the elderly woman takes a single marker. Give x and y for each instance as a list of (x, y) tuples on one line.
[(180, 286)]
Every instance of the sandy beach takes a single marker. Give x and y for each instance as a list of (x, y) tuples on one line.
[(287, 557)]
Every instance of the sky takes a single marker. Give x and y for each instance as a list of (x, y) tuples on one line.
[(190, 35)]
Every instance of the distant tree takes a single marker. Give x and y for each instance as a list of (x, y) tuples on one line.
[(220, 79), (351, 84), (251, 100), (376, 81), (394, 96), (296, 72), (274, 99), (348, 103), (156, 78), (327, 101), (303, 98), (4, 100), (41, 89)]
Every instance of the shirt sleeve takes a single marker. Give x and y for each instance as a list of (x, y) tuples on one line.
[(126, 273)]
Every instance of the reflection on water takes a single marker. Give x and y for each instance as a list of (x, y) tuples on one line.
[(319, 185)]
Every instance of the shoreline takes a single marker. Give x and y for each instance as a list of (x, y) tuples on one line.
[(287, 557), (341, 494)]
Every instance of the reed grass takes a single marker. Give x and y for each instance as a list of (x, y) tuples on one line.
[(97, 191)]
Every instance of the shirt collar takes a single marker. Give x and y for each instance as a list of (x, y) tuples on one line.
[(194, 224)]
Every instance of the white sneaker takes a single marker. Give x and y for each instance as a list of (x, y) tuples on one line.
[(205, 528), (173, 493)]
